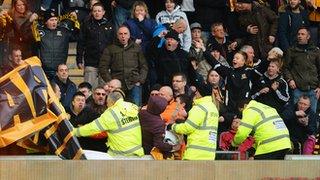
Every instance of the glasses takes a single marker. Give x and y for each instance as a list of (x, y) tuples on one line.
[(100, 94)]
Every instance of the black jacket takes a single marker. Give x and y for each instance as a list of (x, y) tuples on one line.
[(93, 39), (238, 81), (84, 117), (274, 98), (298, 132), (167, 63)]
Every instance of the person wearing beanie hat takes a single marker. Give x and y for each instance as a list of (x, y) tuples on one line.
[(173, 14), (53, 39), (172, 34), (49, 14)]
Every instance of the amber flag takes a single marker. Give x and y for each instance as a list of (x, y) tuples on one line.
[(31, 115)]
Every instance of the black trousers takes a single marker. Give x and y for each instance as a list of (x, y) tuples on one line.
[(276, 155)]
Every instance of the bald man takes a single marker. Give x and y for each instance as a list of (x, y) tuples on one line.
[(112, 85), (170, 114)]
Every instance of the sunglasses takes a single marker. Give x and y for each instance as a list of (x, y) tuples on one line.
[(100, 94)]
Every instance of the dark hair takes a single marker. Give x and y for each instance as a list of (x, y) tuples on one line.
[(185, 99), (61, 65), (176, 2), (304, 27), (78, 94), (98, 4), (85, 85), (184, 77)]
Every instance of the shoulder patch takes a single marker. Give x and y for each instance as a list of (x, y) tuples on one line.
[(42, 33)]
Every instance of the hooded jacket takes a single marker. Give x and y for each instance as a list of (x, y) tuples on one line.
[(152, 126), (164, 17)]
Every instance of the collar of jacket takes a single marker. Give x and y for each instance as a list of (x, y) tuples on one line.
[(130, 43), (103, 21), (203, 99), (310, 47), (125, 108), (269, 77), (174, 11)]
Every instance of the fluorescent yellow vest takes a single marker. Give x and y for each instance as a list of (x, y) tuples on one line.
[(201, 129), (270, 132), (121, 121)]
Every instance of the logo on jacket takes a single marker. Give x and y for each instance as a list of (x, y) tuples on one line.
[(41, 33), (59, 33), (243, 76)]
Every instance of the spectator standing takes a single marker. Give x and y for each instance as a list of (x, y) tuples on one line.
[(261, 25), (53, 40), (291, 18), (121, 11), (95, 34), (302, 67), (170, 15), (125, 61)]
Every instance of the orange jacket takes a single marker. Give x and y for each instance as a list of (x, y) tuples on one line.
[(172, 112)]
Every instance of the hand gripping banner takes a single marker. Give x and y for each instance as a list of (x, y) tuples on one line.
[(31, 115)]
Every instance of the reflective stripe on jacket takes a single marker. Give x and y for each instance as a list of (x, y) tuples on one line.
[(201, 129), (270, 132), (121, 121)]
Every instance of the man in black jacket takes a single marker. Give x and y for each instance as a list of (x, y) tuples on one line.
[(301, 122), (81, 115), (96, 33)]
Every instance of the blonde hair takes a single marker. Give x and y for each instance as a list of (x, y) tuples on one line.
[(141, 4)]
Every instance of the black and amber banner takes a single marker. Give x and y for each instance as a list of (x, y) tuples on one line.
[(31, 116)]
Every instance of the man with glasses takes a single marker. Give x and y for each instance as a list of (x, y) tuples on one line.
[(179, 85), (98, 103)]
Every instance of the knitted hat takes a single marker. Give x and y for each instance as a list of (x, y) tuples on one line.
[(173, 34), (49, 14)]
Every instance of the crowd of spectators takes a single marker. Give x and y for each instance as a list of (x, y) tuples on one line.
[(164, 54)]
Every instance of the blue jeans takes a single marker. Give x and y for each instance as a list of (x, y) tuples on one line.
[(120, 16), (311, 94), (136, 95)]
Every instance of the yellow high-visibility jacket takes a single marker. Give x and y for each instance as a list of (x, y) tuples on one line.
[(121, 121), (268, 129), (201, 129)]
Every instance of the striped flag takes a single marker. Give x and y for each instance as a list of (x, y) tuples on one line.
[(31, 115)]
